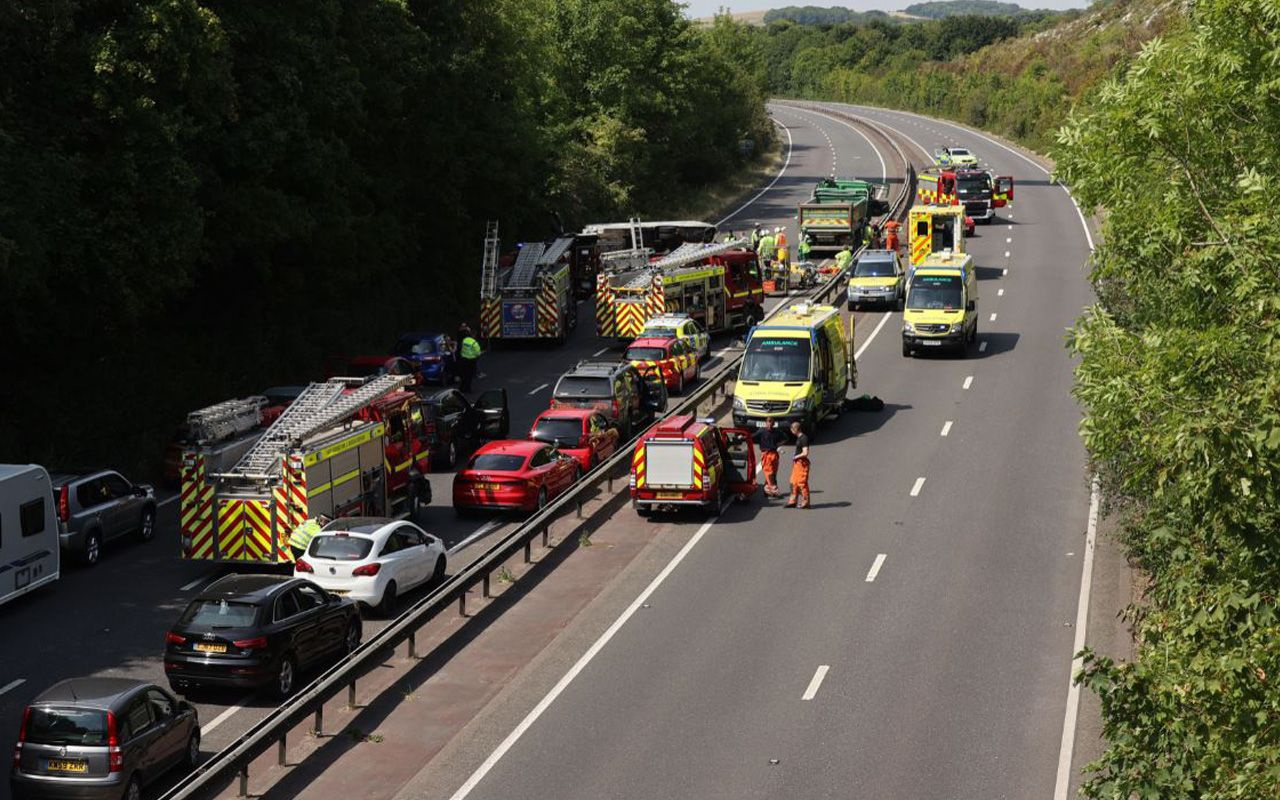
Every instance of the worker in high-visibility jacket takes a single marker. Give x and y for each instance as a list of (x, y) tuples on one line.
[(766, 248), (843, 258), (468, 357), (302, 535), (803, 248)]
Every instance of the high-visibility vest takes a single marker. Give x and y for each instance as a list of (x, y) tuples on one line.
[(470, 348), (843, 258), (303, 534)]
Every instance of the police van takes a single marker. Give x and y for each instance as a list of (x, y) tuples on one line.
[(28, 530), (798, 367)]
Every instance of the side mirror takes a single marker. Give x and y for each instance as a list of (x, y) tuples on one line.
[(972, 305)]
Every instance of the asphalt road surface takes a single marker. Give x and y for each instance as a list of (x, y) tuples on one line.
[(111, 619), (910, 636)]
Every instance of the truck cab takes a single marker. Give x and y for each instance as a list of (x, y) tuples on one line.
[(798, 367), (942, 305), (684, 461)]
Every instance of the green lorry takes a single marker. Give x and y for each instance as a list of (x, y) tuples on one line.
[(837, 213)]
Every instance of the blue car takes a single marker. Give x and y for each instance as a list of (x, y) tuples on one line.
[(433, 351)]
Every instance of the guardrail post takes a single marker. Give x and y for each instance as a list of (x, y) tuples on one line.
[(579, 509), (545, 534), (486, 585), (528, 551), (413, 645), (244, 781), (610, 483), (281, 747), (351, 695), (462, 604), (318, 728)]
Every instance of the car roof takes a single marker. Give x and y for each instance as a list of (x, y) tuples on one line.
[(248, 587), (668, 319), (596, 368), (876, 255), (579, 413), (654, 341), (367, 525), (63, 478), (94, 692), (514, 447)]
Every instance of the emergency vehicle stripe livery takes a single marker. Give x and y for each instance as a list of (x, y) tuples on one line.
[(631, 318), (490, 316), (605, 324), (921, 246), (194, 513), (637, 466), (548, 308), (699, 466), (657, 299)]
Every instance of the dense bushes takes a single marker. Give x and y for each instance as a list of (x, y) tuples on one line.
[(204, 197), (1180, 375)]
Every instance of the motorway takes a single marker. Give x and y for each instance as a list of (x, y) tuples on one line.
[(909, 637), (111, 619)]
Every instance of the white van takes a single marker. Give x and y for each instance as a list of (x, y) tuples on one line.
[(28, 530)]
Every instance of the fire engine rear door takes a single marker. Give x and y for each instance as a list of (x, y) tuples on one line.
[(741, 461), (669, 463)]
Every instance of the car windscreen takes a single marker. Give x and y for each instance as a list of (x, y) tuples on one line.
[(340, 548), (645, 354), (771, 358), (874, 268), (496, 462), (220, 614), (558, 431), (937, 292), (86, 727), (414, 347), (959, 151), (572, 387), (966, 185), (659, 333)]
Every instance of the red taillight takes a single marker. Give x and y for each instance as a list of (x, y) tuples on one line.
[(302, 566), (366, 570), (115, 757), (256, 643), (22, 737), (64, 504), (174, 638)]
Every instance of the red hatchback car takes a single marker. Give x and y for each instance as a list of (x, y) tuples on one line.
[(513, 475), (674, 359), (582, 433)]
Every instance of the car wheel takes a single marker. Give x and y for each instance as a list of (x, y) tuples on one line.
[(147, 529), (437, 574), (902, 302), (351, 642), (680, 383), (387, 605), (644, 509), (91, 550), (852, 306), (286, 677), (906, 350), (594, 462), (134, 790), (191, 756), (542, 498)]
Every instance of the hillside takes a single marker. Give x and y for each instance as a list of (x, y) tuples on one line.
[(952, 8)]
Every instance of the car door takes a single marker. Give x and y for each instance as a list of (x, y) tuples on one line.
[(414, 554), (94, 500), (495, 419), (298, 630), (565, 467), (603, 439), (140, 737), (740, 468), (452, 407), (327, 625), (122, 512), (171, 735)]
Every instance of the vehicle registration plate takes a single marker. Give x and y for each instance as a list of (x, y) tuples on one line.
[(69, 765), (486, 487), (670, 495), (202, 647), (930, 342)]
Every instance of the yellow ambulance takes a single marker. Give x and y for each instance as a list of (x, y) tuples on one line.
[(942, 305), (798, 366)]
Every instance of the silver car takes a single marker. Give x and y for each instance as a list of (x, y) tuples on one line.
[(89, 738), (98, 507)]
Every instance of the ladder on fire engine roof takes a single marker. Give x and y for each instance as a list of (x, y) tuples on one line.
[(489, 267), (526, 265), (226, 419), (321, 405), (683, 256), (557, 249)]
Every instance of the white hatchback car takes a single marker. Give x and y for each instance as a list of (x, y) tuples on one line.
[(372, 560)]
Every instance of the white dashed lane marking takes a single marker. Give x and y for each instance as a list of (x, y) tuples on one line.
[(917, 486), (875, 567), (946, 426)]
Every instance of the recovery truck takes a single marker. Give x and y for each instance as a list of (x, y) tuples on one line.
[(533, 298), (717, 284), (683, 461), (837, 213), (345, 446)]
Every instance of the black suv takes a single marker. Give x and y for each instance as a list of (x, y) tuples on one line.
[(456, 426), (615, 389)]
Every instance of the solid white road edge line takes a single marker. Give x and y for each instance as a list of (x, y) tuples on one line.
[(11, 685), (577, 668), (946, 428), (776, 178), (209, 726), (812, 690), (1067, 748), (875, 567), (917, 486), (481, 531), (538, 388)]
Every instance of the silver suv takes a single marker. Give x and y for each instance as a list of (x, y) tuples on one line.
[(101, 738), (97, 507)]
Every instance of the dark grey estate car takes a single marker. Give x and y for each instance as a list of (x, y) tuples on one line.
[(89, 738), (96, 507)]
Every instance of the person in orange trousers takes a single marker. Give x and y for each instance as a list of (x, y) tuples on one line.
[(891, 235), (799, 469), (769, 438)]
